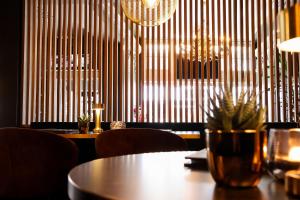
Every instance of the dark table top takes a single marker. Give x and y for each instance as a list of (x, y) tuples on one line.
[(160, 176)]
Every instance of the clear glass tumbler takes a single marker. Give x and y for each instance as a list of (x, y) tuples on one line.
[(283, 151)]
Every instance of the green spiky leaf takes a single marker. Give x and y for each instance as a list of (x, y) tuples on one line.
[(225, 115)]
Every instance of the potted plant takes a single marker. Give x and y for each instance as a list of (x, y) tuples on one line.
[(234, 140), (84, 123)]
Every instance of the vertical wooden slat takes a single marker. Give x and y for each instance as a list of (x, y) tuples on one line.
[(64, 67), (224, 36), (191, 63), (143, 72), (169, 88), (90, 58), (34, 66), (242, 21), (153, 91), (290, 86), (148, 73), (265, 76), (253, 58), (101, 52), (39, 63), (208, 56), (180, 99), (197, 58), (290, 80), (158, 51), (48, 72), (175, 63), (86, 57), (105, 70), (164, 93), (121, 71), (27, 80), (271, 60), (126, 71), (69, 61), (202, 53), (259, 53), (277, 71), (236, 76), (95, 50), (142, 94), (230, 45), (24, 62), (59, 64), (283, 75), (44, 62), (137, 74), (116, 58), (110, 67), (185, 102), (247, 6), (219, 49), (131, 72), (53, 62), (79, 41)]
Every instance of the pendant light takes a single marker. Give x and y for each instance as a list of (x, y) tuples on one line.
[(289, 26), (149, 12)]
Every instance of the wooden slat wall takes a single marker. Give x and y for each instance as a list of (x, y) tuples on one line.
[(81, 52)]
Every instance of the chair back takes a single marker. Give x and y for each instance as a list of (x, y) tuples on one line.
[(137, 140), (34, 164)]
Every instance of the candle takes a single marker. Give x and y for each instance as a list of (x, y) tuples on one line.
[(283, 151), (294, 154), (292, 157), (283, 163), (292, 182)]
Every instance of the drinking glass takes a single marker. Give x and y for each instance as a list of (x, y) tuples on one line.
[(283, 152)]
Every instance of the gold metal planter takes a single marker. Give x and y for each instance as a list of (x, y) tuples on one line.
[(235, 158)]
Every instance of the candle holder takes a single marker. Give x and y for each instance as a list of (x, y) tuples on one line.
[(292, 183), (98, 108), (283, 152)]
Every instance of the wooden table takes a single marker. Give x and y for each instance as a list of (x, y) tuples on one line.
[(161, 176), (183, 134)]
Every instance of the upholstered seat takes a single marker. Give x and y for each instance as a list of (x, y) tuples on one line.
[(34, 164), (137, 140)]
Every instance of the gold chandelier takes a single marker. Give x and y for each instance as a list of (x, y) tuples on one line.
[(149, 12)]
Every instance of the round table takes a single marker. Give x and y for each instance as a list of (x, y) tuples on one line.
[(160, 176)]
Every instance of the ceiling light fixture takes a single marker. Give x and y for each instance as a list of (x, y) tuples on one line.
[(289, 26), (149, 12)]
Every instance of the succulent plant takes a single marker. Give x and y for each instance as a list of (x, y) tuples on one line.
[(83, 121), (228, 116)]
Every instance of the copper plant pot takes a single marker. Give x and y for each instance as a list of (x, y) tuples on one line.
[(235, 158)]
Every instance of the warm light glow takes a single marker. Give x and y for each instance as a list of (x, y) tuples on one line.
[(294, 154), (98, 108), (292, 45), (265, 150), (150, 3)]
